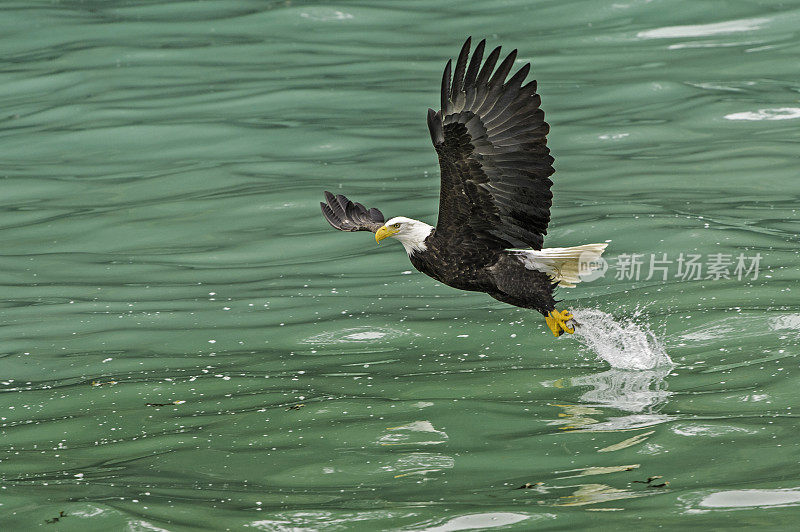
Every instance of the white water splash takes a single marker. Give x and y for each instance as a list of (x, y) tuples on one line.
[(623, 389), (622, 342)]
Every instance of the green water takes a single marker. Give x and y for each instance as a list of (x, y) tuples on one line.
[(162, 164)]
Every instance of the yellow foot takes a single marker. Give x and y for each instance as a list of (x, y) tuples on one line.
[(557, 321)]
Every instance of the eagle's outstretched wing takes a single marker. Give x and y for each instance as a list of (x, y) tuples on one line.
[(346, 215), (490, 136)]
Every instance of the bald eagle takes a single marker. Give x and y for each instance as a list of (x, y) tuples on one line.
[(494, 201)]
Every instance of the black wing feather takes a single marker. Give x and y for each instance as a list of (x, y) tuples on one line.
[(446, 88), (346, 215), (472, 71), (461, 65), (491, 139), (488, 67)]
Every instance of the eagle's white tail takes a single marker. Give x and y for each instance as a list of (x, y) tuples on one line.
[(565, 265)]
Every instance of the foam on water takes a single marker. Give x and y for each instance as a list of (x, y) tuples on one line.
[(356, 335), (622, 342)]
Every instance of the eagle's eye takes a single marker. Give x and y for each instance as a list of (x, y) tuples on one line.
[(396, 226)]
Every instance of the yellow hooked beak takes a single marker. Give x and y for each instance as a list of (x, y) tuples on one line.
[(383, 232)]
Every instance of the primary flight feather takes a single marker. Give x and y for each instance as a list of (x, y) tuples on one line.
[(494, 201)]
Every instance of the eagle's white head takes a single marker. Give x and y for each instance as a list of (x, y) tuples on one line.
[(411, 233)]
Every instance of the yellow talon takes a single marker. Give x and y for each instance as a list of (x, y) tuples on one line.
[(557, 321)]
